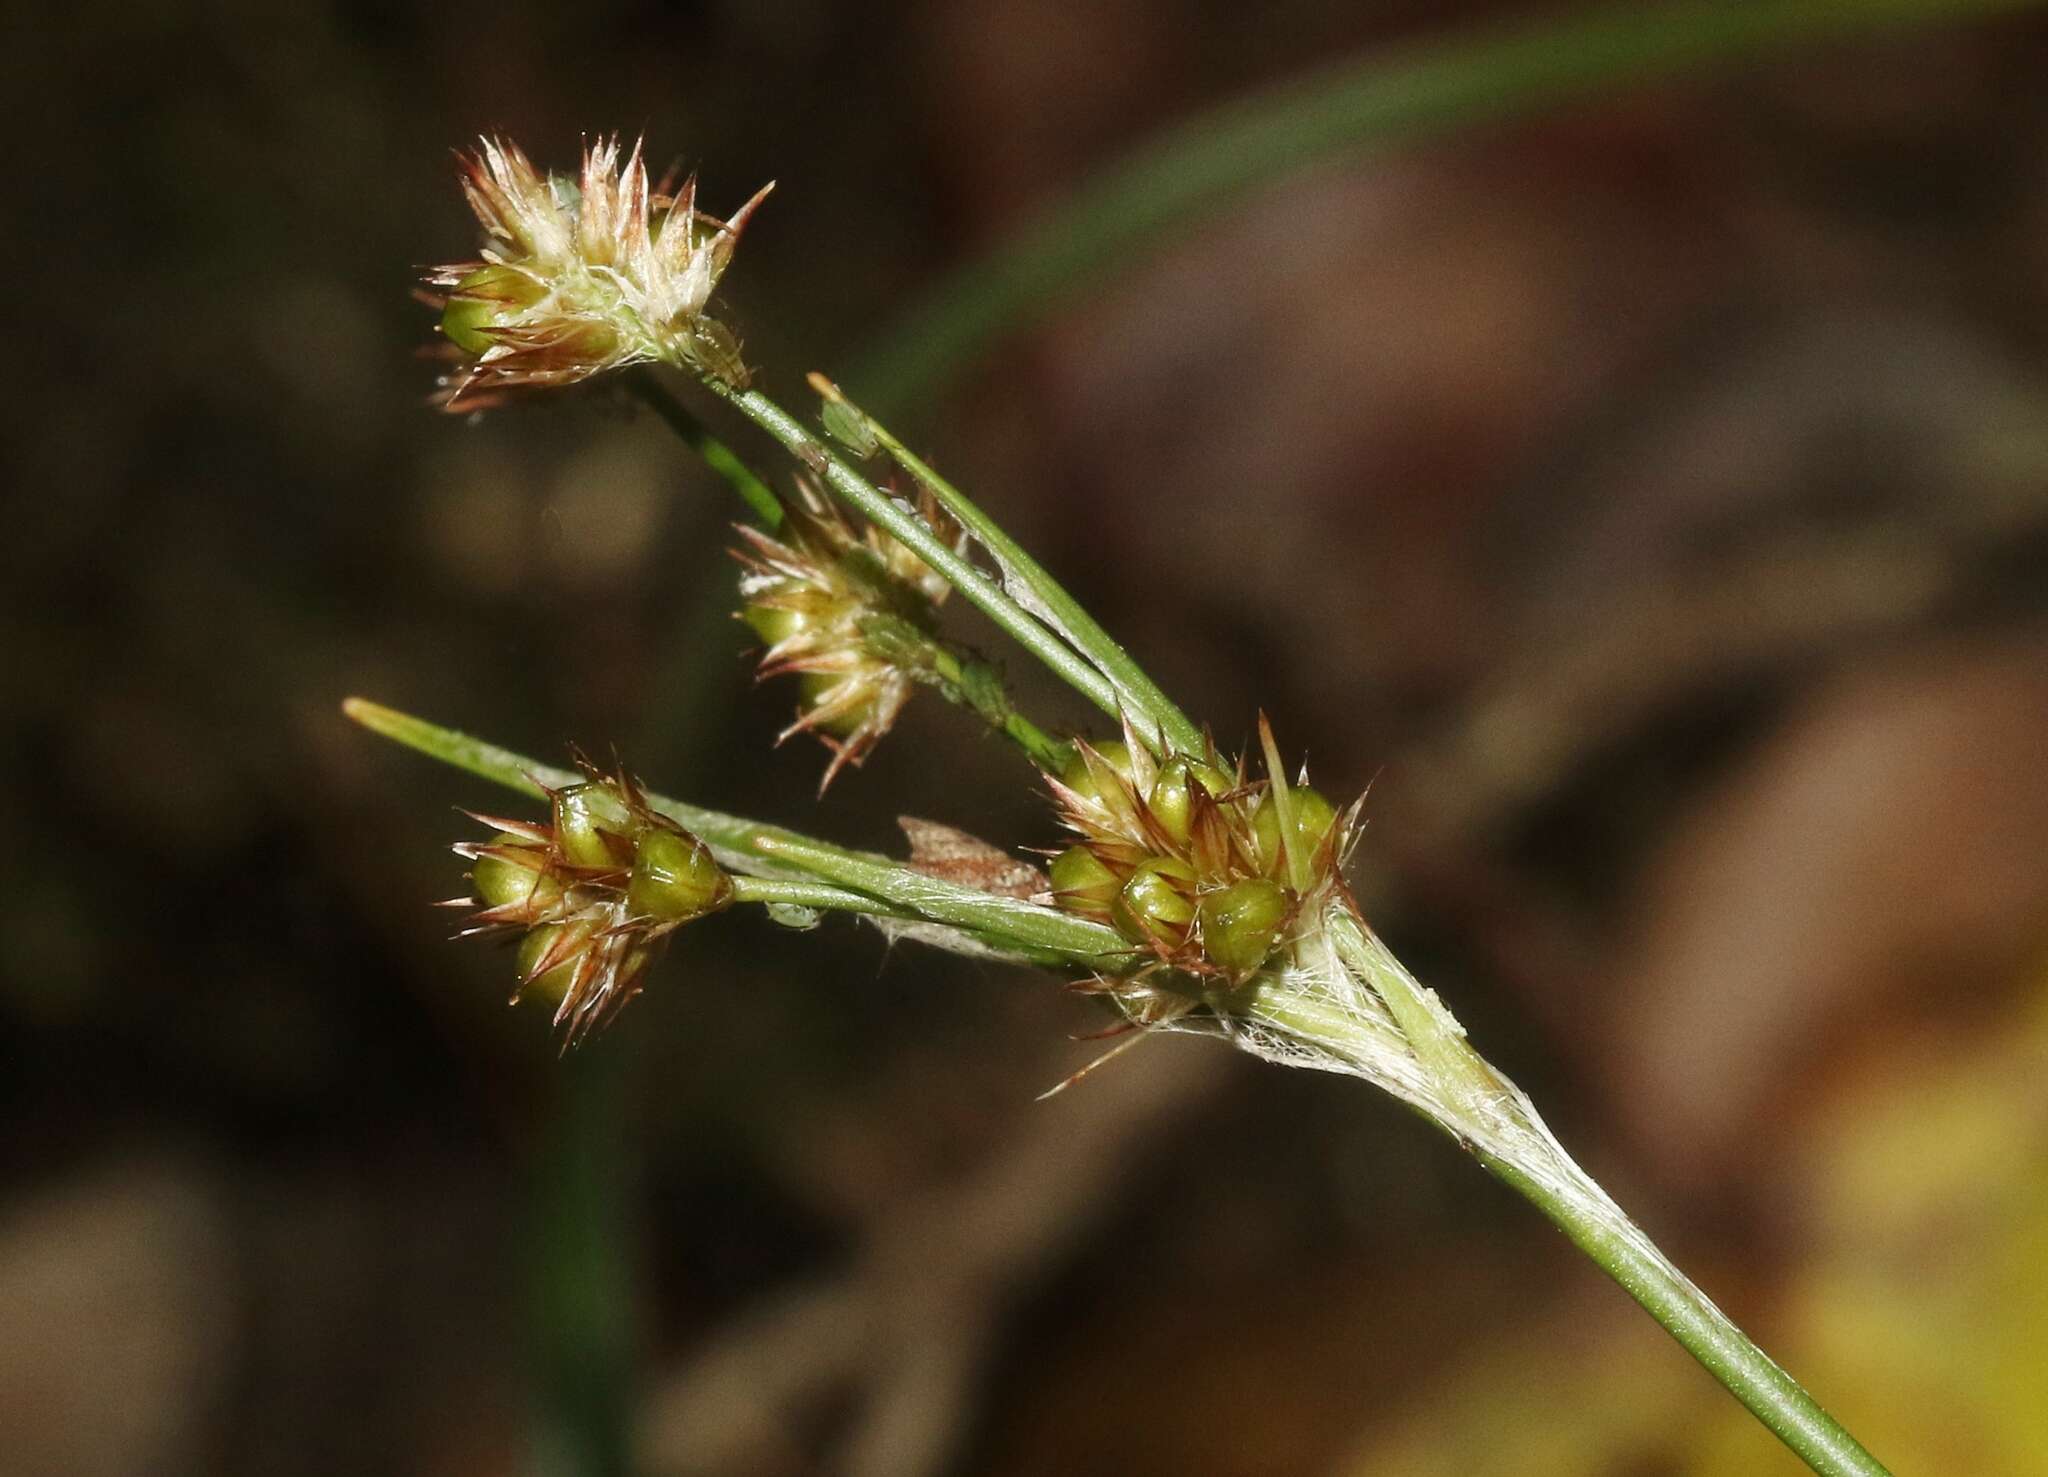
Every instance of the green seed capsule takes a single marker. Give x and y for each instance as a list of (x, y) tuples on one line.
[(814, 688), (1077, 776), (675, 878), (1241, 923), (1156, 902), (1081, 880), (1172, 799), (499, 882), (772, 623), (480, 301), (553, 985), (591, 827), (1313, 817)]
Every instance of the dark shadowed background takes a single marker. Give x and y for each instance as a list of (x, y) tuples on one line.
[(1647, 497)]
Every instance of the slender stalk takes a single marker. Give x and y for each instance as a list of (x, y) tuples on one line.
[(722, 459), (1686, 1313), (1434, 1070), (961, 676), (1090, 946), (910, 530), (866, 882), (1141, 695), (964, 679), (821, 895), (730, 837), (1393, 95)]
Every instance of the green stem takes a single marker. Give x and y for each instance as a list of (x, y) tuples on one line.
[(731, 837), (911, 531), (1462, 1093), (801, 894), (1043, 934), (964, 679), (1749, 1374), (722, 459), (1141, 695), (1394, 95), (1076, 941)]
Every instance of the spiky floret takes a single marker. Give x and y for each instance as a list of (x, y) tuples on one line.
[(844, 609), (1206, 872), (594, 894), (577, 277)]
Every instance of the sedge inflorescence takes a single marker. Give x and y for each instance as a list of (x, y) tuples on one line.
[(577, 277), (594, 895), (844, 610), (1205, 872)]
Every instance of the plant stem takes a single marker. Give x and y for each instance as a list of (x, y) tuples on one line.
[(730, 837), (1436, 1072), (1045, 935), (1080, 943), (1063, 612), (908, 529), (964, 679), (1690, 1317), (800, 894), (722, 459), (1393, 95)]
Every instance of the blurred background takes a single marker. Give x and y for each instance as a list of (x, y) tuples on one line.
[(1646, 494)]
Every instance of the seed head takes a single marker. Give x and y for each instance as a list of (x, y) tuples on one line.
[(594, 894), (849, 612), (577, 277), (1202, 870)]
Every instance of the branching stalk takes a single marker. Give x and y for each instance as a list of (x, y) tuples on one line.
[(778, 865), (904, 525), (1141, 695), (720, 458)]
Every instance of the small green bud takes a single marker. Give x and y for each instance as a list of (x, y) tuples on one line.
[(1081, 879), (553, 985), (499, 882), (1077, 777), (1313, 817), (591, 826), (1155, 903), (813, 688), (1172, 799), (772, 623), (1241, 922), (675, 878), (480, 300)]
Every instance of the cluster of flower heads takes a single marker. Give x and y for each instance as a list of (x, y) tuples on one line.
[(843, 610), (1201, 869), (595, 894), (577, 277)]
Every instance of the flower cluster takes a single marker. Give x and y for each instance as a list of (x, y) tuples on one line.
[(595, 894), (577, 277), (848, 612), (1205, 871)]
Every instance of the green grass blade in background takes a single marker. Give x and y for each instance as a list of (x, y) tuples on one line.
[(1407, 92)]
